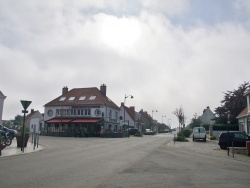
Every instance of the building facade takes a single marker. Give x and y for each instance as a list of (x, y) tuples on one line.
[(2, 98), (81, 112), (244, 116), (207, 117)]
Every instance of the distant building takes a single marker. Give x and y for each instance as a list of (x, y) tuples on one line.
[(145, 120), (34, 115), (207, 117), (244, 116), (2, 98), (130, 116)]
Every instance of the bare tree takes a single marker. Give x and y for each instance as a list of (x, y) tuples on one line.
[(179, 112)]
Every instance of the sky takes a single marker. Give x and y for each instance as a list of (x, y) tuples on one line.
[(167, 54)]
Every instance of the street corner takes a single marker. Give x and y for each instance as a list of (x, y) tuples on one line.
[(14, 150)]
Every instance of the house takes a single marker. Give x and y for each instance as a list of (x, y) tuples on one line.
[(145, 120), (81, 112), (2, 98), (244, 116), (30, 118), (207, 117), (128, 116)]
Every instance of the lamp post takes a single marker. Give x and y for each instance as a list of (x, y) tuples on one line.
[(228, 122), (126, 96), (153, 119), (169, 123), (25, 106), (162, 119)]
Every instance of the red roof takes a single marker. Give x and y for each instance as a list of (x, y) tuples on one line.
[(59, 120), (85, 120), (100, 99), (243, 113)]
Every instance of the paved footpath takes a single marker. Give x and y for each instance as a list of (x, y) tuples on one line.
[(14, 150), (210, 147)]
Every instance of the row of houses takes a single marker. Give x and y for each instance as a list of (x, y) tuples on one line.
[(88, 111)]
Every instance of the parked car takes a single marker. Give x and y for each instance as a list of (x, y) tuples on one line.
[(148, 131), (199, 133), (238, 138), (133, 131), (11, 132)]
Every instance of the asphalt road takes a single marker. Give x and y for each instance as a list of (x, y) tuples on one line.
[(149, 161)]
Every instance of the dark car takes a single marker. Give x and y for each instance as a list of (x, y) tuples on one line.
[(11, 132), (237, 138), (133, 131)]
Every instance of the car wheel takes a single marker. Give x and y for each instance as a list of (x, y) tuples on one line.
[(193, 139), (205, 139), (223, 146)]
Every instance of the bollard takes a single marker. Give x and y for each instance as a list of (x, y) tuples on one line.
[(248, 147), (233, 148)]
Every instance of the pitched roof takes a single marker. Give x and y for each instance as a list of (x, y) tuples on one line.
[(243, 113), (131, 112), (85, 93), (1, 94)]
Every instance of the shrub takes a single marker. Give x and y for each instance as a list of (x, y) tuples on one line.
[(138, 135), (186, 132), (212, 138), (181, 137)]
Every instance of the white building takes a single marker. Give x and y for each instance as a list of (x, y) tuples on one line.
[(244, 116), (2, 98), (81, 110), (207, 117)]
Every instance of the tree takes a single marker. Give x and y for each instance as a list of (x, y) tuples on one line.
[(233, 101), (18, 120), (195, 122), (179, 112)]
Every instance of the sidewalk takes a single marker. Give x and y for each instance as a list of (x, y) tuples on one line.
[(14, 150), (210, 147)]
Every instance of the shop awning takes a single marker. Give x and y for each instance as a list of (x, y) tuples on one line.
[(85, 120), (59, 120)]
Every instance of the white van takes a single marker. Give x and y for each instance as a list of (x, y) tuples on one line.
[(199, 133)]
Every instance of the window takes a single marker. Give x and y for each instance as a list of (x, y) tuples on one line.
[(92, 98), (110, 113), (87, 112), (62, 99), (82, 98), (71, 98)]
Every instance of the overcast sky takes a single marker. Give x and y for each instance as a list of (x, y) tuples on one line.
[(166, 53)]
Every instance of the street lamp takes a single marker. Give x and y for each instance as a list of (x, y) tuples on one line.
[(228, 122), (131, 96), (153, 119), (162, 119)]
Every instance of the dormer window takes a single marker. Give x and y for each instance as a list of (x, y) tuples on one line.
[(62, 99), (82, 98), (92, 98), (71, 98)]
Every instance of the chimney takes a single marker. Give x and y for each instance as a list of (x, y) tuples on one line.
[(32, 110), (103, 89), (122, 104), (64, 90), (132, 108)]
